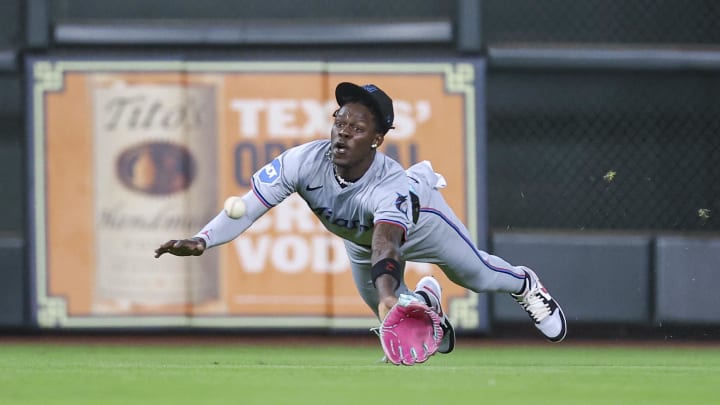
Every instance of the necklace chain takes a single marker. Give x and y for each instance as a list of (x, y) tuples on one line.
[(343, 182)]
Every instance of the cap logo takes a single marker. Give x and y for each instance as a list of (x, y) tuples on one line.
[(370, 88)]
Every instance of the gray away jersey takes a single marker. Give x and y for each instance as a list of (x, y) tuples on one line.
[(380, 195)]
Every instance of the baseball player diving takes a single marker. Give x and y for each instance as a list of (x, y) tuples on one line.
[(386, 216)]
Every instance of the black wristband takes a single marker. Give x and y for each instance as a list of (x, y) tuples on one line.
[(386, 266)]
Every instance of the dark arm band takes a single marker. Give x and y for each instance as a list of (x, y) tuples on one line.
[(386, 266)]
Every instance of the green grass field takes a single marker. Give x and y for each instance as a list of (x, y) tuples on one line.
[(348, 374)]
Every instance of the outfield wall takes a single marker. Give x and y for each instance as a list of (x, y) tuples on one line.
[(621, 279), (607, 279)]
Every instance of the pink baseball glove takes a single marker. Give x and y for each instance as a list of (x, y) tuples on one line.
[(411, 332)]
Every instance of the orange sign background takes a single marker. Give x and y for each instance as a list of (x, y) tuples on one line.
[(286, 265)]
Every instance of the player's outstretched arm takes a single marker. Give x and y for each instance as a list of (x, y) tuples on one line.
[(410, 331), (387, 239), (182, 247)]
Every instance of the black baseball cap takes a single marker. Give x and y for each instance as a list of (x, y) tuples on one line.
[(346, 92)]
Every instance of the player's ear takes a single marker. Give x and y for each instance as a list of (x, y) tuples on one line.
[(377, 142)]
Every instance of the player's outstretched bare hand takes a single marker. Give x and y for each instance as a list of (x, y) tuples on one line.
[(182, 247)]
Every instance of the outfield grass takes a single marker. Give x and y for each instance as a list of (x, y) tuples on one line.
[(252, 374)]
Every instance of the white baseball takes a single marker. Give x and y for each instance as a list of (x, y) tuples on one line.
[(235, 207)]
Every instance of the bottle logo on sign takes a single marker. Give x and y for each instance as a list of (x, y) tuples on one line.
[(156, 168)]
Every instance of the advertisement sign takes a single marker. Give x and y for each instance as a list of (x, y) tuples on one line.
[(126, 155)]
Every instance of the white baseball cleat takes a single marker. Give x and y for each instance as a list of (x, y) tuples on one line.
[(542, 308), (429, 289)]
